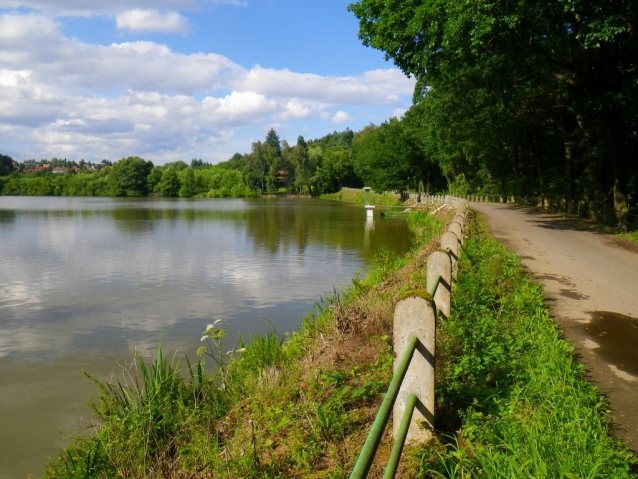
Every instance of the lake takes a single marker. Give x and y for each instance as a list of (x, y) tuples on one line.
[(85, 282)]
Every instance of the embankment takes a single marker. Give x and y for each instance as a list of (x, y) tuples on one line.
[(511, 401)]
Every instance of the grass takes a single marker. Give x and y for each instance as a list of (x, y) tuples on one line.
[(629, 236), (511, 401), (357, 196)]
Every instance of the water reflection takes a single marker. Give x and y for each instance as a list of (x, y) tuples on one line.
[(86, 280)]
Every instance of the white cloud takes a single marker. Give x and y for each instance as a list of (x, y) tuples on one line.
[(371, 88), (342, 117), (144, 21), (65, 8), (61, 95), (398, 112)]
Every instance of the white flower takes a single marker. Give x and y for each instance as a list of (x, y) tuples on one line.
[(229, 352), (204, 338), (209, 327), (241, 350), (217, 321)]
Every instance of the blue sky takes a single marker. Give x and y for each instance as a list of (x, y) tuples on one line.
[(179, 79)]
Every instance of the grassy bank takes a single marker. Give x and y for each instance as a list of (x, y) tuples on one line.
[(357, 196), (293, 408), (511, 402)]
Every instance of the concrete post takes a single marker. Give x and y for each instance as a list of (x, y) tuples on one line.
[(456, 229), (460, 220), (369, 211), (439, 263), (450, 243), (414, 316)]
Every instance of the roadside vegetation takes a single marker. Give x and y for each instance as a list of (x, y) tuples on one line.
[(511, 400), (630, 236)]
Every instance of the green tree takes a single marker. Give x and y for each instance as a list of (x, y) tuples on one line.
[(6, 165), (532, 96), (129, 176), (188, 181), (169, 185)]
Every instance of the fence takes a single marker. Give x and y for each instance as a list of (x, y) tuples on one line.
[(410, 395)]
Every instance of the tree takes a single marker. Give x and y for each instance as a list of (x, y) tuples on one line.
[(189, 183), (521, 92), (169, 186), (272, 139), (129, 176), (6, 165)]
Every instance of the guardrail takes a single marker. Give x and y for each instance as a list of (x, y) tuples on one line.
[(411, 390)]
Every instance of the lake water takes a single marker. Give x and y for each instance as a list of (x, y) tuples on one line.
[(84, 282)]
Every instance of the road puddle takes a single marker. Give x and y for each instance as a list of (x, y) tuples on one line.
[(616, 336)]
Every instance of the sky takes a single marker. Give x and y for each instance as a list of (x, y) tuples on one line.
[(174, 80)]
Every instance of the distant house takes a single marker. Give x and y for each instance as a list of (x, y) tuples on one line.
[(58, 170), (282, 178)]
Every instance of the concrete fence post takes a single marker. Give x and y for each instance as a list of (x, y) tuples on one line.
[(450, 243), (439, 263), (456, 229), (414, 316)]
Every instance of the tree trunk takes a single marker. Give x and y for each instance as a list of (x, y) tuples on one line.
[(620, 163)]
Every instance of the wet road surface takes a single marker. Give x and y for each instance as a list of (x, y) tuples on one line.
[(591, 286)]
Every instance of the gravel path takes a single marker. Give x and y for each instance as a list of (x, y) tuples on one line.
[(591, 286)]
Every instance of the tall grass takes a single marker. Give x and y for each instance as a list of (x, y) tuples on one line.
[(525, 407)]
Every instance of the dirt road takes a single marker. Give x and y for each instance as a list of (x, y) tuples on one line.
[(591, 286)]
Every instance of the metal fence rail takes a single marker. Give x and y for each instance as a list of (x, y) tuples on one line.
[(439, 302)]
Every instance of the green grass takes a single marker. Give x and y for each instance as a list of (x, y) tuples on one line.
[(513, 400), (629, 236), (357, 196)]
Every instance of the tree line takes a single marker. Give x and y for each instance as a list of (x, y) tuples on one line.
[(386, 157), (520, 97)]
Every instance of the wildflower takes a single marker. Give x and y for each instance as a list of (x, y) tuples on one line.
[(217, 321), (209, 327), (241, 350), (229, 352), (204, 338)]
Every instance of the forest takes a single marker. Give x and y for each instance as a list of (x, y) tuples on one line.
[(520, 97)]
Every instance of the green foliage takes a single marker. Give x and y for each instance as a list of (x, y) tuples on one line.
[(391, 158), (129, 176), (525, 406), (358, 196), (169, 185), (519, 97), (6, 165)]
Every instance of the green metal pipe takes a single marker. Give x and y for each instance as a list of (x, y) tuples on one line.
[(364, 462), (399, 441), (435, 285)]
